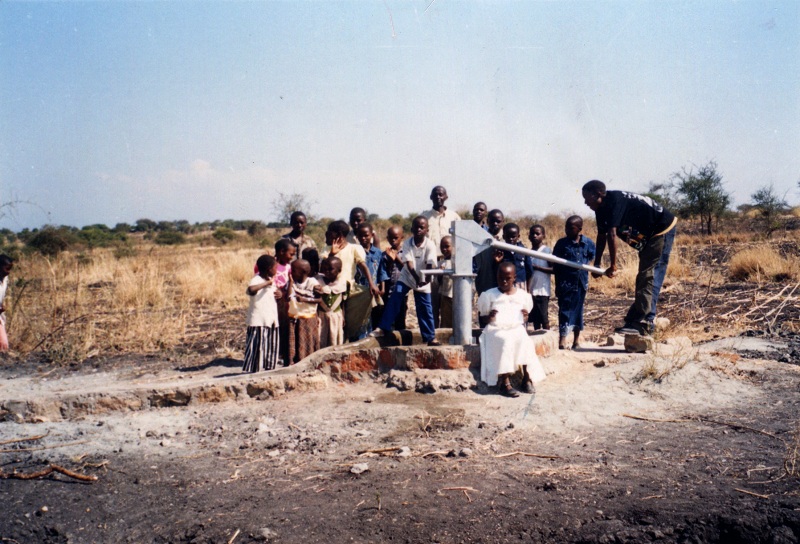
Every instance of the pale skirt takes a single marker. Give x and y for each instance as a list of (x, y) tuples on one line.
[(506, 349), (331, 329)]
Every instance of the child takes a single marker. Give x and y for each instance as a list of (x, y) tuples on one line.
[(571, 283), (311, 255), (504, 343), (358, 303), (6, 264), (297, 235), (303, 321), (389, 269), (330, 289), (539, 282), (521, 262), (285, 251), (419, 253), (479, 211), (358, 216), (446, 283), (372, 257), (263, 341), (484, 264)]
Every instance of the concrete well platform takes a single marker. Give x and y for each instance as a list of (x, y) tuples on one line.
[(38, 399)]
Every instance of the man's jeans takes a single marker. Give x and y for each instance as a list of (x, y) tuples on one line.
[(653, 262)]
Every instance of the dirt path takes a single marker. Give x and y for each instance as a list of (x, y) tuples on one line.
[(705, 464)]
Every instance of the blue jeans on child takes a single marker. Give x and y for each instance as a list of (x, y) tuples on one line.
[(424, 311)]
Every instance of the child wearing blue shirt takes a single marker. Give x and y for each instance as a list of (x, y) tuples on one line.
[(364, 235), (572, 283), (522, 263)]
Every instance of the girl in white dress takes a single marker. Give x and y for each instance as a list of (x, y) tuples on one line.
[(505, 345)]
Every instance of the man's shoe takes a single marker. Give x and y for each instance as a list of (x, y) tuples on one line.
[(377, 333)]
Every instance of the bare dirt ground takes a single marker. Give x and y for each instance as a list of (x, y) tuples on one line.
[(604, 452)]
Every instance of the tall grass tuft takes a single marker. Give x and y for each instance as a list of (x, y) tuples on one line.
[(762, 264)]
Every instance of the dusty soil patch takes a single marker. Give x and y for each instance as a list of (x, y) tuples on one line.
[(705, 463)]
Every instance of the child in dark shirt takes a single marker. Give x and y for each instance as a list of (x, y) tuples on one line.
[(572, 283), (522, 263), (389, 269)]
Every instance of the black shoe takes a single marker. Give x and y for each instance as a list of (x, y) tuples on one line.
[(508, 391), (635, 328), (527, 387)]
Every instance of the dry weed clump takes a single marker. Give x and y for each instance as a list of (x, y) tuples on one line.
[(74, 306), (762, 263)]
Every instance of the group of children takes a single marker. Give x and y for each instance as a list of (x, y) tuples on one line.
[(299, 305)]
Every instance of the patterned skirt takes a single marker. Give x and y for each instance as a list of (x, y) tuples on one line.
[(303, 338), (262, 349)]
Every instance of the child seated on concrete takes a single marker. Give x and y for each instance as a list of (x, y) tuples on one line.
[(504, 343), (572, 283)]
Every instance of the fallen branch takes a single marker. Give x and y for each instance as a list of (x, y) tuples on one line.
[(25, 439), (642, 418), (751, 493), (526, 454), (45, 472), (380, 450), (739, 426), (441, 452), (706, 420)]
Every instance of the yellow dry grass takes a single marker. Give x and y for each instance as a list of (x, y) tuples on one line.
[(762, 263), (73, 306)]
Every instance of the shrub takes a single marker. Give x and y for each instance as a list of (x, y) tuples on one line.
[(51, 241), (224, 235), (169, 238)]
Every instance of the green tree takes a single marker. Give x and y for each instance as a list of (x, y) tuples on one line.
[(770, 206), (702, 194)]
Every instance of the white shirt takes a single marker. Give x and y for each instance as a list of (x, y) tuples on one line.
[(509, 307), (263, 310), (3, 289), (423, 257), (540, 284), (439, 224)]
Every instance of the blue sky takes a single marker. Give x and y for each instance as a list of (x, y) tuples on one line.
[(115, 111)]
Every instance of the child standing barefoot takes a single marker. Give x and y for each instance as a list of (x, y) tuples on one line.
[(6, 264), (263, 341), (571, 283), (505, 345), (446, 283), (303, 321)]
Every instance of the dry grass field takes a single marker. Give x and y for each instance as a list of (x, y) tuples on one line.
[(191, 297)]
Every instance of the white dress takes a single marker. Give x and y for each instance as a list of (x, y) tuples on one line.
[(505, 345)]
